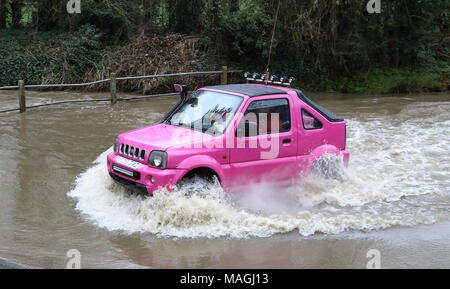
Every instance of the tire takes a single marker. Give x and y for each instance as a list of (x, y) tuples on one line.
[(196, 185), (328, 167)]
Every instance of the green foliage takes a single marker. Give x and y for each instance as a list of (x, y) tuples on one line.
[(388, 80), (117, 19), (249, 28), (83, 50), (327, 44), (318, 40), (20, 66), (18, 61), (48, 57)]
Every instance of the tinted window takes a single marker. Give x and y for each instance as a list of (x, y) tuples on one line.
[(268, 116), (309, 121)]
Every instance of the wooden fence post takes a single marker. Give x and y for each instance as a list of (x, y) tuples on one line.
[(224, 78), (113, 88), (22, 101)]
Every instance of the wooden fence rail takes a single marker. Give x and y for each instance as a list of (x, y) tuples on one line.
[(113, 87)]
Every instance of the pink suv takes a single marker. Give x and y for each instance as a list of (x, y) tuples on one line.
[(238, 133)]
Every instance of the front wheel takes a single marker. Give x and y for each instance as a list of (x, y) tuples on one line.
[(196, 184)]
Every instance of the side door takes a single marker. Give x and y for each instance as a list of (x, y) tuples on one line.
[(265, 144)]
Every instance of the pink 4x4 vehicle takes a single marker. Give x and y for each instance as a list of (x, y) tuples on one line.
[(238, 133)]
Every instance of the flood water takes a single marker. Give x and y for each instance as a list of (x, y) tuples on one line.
[(56, 194)]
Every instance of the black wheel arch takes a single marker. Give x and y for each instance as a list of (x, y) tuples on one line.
[(202, 172)]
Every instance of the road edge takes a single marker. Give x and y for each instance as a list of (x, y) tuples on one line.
[(7, 264)]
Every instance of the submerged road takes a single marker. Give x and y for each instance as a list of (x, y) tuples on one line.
[(395, 197)]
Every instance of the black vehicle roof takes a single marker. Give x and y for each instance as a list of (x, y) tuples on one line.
[(320, 109), (251, 90)]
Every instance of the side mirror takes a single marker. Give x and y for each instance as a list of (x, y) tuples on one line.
[(247, 129), (182, 89)]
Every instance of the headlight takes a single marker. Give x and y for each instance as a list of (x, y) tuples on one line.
[(158, 159), (116, 145)]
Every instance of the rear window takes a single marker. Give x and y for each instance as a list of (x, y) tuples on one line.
[(309, 121)]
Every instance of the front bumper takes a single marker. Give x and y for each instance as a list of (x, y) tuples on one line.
[(143, 183)]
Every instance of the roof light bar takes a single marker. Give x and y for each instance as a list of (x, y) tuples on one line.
[(273, 79)]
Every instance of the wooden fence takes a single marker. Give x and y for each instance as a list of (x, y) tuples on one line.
[(21, 86)]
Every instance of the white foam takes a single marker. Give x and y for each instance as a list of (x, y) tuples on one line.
[(398, 176)]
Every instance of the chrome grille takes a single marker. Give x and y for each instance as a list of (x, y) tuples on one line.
[(132, 152)]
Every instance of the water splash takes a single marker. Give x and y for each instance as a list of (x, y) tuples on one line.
[(398, 176)]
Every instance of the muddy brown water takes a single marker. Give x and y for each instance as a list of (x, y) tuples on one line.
[(57, 196)]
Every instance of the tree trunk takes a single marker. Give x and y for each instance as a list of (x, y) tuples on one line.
[(62, 14), (49, 14), (149, 11), (16, 12), (184, 16), (2, 14), (234, 5), (215, 29)]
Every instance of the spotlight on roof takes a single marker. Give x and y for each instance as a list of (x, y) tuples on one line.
[(273, 79)]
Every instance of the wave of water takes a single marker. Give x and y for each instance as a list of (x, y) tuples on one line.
[(398, 176)]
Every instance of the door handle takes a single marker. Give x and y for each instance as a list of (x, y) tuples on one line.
[(287, 140)]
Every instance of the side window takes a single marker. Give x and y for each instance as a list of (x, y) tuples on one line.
[(266, 117), (309, 121)]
